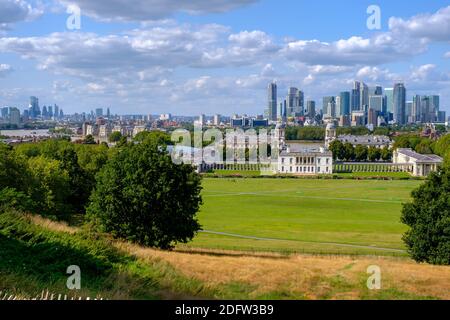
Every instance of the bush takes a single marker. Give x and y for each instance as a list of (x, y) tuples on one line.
[(428, 215), (142, 196)]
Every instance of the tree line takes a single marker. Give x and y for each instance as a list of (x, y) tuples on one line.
[(134, 191)]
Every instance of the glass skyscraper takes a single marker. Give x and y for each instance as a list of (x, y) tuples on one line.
[(399, 103)]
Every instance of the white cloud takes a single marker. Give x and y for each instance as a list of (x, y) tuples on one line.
[(5, 69), (13, 11), (447, 55), (144, 10), (433, 27)]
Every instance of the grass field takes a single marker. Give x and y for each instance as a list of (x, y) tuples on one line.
[(297, 215), (36, 252)]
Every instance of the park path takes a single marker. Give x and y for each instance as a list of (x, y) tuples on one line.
[(313, 242)]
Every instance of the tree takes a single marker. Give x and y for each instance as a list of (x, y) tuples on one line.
[(142, 196), (428, 216), (386, 154), (89, 139), (115, 136), (373, 153), (360, 153), (349, 152), (337, 148), (424, 147)]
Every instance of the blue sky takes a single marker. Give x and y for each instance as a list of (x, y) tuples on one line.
[(215, 56)]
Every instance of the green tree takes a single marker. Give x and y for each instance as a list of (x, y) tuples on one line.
[(428, 216), (386, 154), (373, 153), (424, 146), (89, 139), (338, 150), (142, 196), (349, 152), (115, 136), (51, 186), (361, 153)]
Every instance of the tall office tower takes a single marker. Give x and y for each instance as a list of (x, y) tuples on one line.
[(325, 104), (377, 103), (331, 109), (34, 107), (389, 93), (108, 113), (364, 96), (416, 111), (55, 112), (5, 112), (292, 102), (99, 112), (311, 108), (434, 101), (14, 116), (399, 103), (282, 111), (61, 114), (337, 101), (372, 117), (344, 103), (300, 110), (427, 114), (50, 111), (217, 119), (355, 99), (272, 102), (44, 112), (408, 112)]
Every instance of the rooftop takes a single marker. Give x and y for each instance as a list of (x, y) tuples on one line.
[(420, 157)]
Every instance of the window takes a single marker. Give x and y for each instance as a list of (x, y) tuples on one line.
[(282, 160), (282, 169), (328, 160), (318, 169), (327, 169), (318, 160)]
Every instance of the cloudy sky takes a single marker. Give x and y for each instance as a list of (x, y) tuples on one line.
[(215, 56)]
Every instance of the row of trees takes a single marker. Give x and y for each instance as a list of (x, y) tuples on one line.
[(348, 152), (133, 191)]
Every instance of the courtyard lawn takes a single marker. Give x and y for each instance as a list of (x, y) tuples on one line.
[(394, 175), (296, 215)]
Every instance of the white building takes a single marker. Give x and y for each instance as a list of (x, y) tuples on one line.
[(306, 162), (422, 164)]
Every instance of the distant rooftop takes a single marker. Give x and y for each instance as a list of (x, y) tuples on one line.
[(420, 157)]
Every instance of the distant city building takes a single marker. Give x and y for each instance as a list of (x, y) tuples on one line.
[(271, 111), (399, 103), (99, 112), (311, 108), (344, 103)]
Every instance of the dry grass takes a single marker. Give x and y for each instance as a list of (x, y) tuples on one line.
[(309, 276), (294, 276), (51, 225)]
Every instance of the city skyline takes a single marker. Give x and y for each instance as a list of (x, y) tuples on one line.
[(189, 59)]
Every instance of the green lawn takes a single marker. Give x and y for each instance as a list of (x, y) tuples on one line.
[(316, 216)]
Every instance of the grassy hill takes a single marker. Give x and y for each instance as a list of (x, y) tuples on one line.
[(36, 252)]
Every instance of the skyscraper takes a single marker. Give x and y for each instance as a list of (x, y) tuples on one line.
[(355, 99), (389, 92), (272, 102), (294, 102), (399, 103), (99, 112), (364, 96), (34, 109), (326, 103), (344, 103), (416, 111), (311, 108)]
